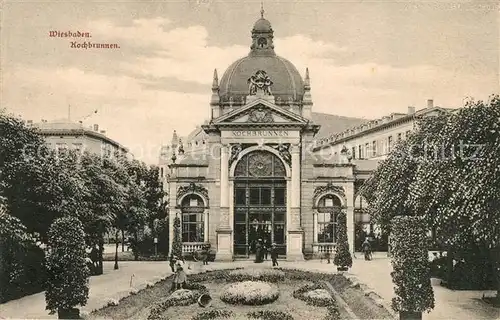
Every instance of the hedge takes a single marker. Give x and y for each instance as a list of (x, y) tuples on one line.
[(411, 268)]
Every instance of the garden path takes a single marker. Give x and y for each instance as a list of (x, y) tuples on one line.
[(115, 284)]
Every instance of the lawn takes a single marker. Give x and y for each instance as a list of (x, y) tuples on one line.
[(269, 294)]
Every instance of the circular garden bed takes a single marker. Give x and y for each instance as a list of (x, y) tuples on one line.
[(265, 294), (254, 293)]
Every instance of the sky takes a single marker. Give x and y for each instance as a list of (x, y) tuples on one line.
[(366, 58)]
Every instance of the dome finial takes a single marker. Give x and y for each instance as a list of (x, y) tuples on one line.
[(262, 9), (215, 81)]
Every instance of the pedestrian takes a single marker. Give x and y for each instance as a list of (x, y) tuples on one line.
[(266, 248), (172, 261), (367, 249), (180, 277), (274, 255), (206, 253)]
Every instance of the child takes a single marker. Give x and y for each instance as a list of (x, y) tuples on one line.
[(180, 278)]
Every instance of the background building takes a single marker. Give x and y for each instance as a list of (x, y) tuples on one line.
[(63, 135)]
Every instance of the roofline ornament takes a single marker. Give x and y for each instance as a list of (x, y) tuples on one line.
[(330, 188), (259, 83), (192, 188)]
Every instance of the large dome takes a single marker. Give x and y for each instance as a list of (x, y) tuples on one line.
[(287, 82)]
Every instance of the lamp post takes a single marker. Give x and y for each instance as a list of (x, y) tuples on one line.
[(155, 226)]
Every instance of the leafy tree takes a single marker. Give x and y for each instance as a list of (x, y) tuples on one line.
[(67, 284), (448, 172), (36, 185), (342, 257), (411, 269), (177, 241)]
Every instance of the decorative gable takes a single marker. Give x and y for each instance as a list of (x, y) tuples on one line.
[(260, 112)]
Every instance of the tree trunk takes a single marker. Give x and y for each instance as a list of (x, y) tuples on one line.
[(123, 241), (101, 250), (136, 247), (495, 264), (449, 266), (72, 313), (410, 315), (116, 251)]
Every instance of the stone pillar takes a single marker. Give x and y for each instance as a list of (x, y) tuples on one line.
[(315, 227), (295, 232), (224, 231), (172, 195), (350, 215), (205, 226)]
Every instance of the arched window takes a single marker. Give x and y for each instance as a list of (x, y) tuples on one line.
[(328, 208), (192, 208), (260, 164)]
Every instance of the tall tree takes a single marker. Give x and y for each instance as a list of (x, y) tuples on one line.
[(448, 172)]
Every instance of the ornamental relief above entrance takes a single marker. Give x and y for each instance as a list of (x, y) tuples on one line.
[(283, 149)]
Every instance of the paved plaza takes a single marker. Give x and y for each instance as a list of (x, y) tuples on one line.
[(116, 284)]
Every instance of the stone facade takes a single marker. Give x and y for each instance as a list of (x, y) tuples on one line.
[(255, 169)]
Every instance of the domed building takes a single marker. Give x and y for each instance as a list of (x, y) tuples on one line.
[(265, 167)]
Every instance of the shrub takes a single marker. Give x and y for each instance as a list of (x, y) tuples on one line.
[(67, 273), (332, 313), (411, 269), (213, 314), (314, 294), (342, 255), (249, 293), (22, 263), (176, 240), (266, 275), (269, 315)]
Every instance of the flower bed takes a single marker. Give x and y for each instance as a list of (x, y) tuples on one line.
[(181, 297), (266, 275), (153, 303), (269, 315), (314, 294), (249, 293), (214, 314)]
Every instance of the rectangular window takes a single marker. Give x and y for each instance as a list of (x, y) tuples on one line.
[(367, 149), (240, 196), (279, 196), (77, 147), (265, 196), (254, 196), (326, 228), (389, 144), (360, 152), (374, 148), (354, 152), (193, 228)]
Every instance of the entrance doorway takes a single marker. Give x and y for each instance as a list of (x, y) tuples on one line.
[(259, 203)]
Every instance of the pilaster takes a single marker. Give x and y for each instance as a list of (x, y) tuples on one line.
[(349, 193), (295, 232), (224, 231)]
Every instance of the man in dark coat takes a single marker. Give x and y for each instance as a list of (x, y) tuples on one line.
[(367, 249), (274, 255)]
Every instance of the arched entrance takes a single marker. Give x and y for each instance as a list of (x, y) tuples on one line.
[(260, 202)]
